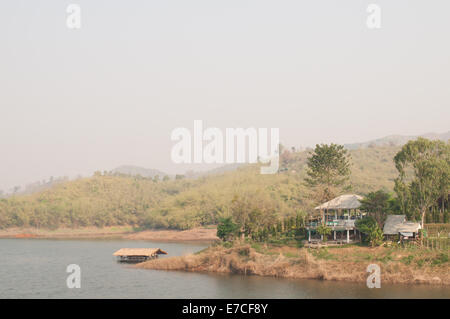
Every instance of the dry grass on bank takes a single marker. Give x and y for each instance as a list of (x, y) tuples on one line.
[(342, 264)]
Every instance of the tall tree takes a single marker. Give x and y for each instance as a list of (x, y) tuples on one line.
[(424, 173), (328, 170), (378, 204)]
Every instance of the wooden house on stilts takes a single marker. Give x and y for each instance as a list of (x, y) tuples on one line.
[(340, 215)]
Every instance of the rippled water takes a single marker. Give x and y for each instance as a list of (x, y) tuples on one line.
[(36, 268)]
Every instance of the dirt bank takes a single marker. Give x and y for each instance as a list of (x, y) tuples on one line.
[(195, 234), (121, 232), (343, 264)]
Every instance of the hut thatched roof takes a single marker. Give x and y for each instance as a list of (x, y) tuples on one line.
[(139, 252), (351, 201), (393, 223), (409, 227)]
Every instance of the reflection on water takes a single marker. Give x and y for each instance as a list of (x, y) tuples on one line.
[(34, 268)]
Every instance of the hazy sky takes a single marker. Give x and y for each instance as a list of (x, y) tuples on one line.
[(110, 93)]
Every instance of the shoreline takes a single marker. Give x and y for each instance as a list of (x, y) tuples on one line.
[(340, 264), (348, 264), (114, 232)]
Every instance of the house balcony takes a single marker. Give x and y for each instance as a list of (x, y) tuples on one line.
[(339, 224)]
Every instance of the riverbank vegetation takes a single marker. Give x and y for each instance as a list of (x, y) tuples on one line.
[(342, 263)]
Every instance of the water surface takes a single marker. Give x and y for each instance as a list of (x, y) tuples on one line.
[(36, 268)]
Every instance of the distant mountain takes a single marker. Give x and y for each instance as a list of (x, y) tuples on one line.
[(397, 140), (136, 170)]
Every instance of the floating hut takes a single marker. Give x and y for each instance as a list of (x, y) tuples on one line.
[(136, 255)]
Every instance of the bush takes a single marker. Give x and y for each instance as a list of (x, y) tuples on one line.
[(369, 227), (324, 231), (442, 258), (226, 229)]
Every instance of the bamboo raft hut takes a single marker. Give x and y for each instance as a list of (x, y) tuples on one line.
[(137, 255)]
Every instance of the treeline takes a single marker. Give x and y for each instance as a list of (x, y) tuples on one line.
[(278, 230), (96, 201), (105, 200)]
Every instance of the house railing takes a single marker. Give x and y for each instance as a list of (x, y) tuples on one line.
[(336, 223)]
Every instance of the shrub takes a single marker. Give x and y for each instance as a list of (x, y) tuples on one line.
[(324, 231), (369, 227), (226, 229)]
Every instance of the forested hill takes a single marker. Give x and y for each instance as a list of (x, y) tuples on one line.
[(138, 171), (111, 199)]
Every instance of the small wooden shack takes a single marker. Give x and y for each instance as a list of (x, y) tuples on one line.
[(136, 255), (396, 226)]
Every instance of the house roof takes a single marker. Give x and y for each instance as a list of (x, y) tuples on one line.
[(409, 227), (139, 252), (392, 223), (350, 201)]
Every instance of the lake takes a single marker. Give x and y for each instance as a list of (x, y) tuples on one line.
[(36, 268)]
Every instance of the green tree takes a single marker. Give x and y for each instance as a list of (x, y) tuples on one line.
[(324, 231), (376, 236), (328, 169), (253, 210), (378, 204), (424, 173), (226, 229), (373, 232)]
